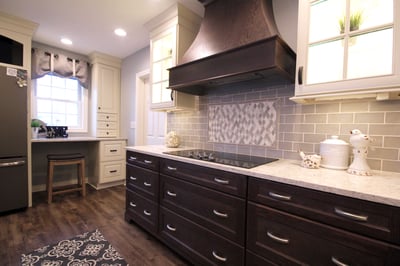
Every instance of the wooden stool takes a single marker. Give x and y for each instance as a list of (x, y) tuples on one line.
[(65, 159)]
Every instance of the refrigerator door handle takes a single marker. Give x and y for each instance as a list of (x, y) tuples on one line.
[(15, 163)]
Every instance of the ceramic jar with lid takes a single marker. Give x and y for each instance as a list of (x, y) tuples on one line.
[(334, 153)]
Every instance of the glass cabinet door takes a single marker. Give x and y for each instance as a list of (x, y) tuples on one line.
[(349, 39)]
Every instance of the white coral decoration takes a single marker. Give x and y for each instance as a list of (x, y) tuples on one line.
[(310, 161), (172, 140), (360, 143)]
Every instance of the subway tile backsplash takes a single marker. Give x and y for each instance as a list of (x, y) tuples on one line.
[(215, 124)]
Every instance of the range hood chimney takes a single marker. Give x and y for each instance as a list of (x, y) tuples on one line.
[(238, 44)]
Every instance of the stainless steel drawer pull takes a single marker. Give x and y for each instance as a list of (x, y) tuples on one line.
[(279, 196), (338, 262), (147, 213), (133, 178), (220, 214), (218, 257), (148, 161), (171, 168), (354, 217), (277, 239), (132, 204), (172, 194), (147, 184), (171, 228), (221, 181), (132, 158)]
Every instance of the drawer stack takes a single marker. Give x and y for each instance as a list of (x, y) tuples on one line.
[(142, 179), (202, 212)]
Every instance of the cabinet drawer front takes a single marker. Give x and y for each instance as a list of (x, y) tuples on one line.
[(112, 150), (112, 171), (142, 211), (197, 244), (106, 133), (271, 232), (143, 160), (107, 117), (219, 212), (107, 125), (367, 218), (142, 181), (231, 183)]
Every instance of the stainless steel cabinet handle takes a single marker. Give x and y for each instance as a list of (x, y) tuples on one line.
[(133, 178), (338, 262), (354, 217), (277, 239), (171, 228), (132, 204), (219, 257), (147, 213), (148, 161), (220, 214), (279, 196), (221, 181), (172, 194), (16, 163), (171, 168), (132, 158), (147, 184)]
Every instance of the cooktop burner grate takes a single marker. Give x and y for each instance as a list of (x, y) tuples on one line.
[(238, 160)]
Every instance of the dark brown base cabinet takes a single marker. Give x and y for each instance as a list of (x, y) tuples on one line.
[(214, 217)]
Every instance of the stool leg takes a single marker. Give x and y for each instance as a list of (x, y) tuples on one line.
[(82, 177), (49, 186)]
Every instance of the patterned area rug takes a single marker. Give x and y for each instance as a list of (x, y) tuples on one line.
[(87, 249)]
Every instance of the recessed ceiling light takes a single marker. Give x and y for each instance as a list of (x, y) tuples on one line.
[(66, 41), (120, 32)]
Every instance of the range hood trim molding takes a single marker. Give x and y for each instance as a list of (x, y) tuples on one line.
[(273, 62)]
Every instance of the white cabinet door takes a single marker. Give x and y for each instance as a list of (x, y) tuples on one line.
[(347, 47), (108, 94)]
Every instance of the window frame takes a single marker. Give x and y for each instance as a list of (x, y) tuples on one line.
[(84, 107)]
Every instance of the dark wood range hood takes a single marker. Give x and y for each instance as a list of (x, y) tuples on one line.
[(238, 44)]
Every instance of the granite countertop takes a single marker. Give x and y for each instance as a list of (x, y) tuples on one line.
[(381, 187)]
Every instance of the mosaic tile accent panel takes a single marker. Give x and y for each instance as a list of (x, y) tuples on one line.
[(252, 123)]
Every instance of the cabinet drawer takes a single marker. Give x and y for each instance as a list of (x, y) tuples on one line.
[(142, 211), (107, 117), (143, 160), (142, 181), (112, 171), (106, 133), (271, 232), (363, 217), (200, 246), (219, 212), (254, 260), (108, 125), (231, 183), (112, 150)]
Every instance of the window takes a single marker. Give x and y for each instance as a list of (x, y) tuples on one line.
[(60, 101)]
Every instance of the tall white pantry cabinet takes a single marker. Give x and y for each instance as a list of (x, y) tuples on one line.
[(105, 117)]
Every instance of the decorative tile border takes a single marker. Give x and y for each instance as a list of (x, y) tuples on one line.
[(252, 123)]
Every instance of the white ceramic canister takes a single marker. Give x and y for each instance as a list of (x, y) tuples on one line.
[(334, 153)]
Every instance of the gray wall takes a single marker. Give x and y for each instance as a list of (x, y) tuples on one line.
[(131, 65)]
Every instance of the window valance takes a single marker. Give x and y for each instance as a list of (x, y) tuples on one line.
[(45, 62)]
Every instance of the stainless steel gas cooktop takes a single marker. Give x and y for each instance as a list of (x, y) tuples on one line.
[(239, 160)]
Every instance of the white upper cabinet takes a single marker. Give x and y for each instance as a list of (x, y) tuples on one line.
[(171, 34), (348, 49)]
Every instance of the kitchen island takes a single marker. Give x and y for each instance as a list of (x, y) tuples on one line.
[(275, 213)]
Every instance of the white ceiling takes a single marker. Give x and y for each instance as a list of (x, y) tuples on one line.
[(90, 23)]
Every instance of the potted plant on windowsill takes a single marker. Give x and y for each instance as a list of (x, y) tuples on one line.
[(355, 21), (35, 124)]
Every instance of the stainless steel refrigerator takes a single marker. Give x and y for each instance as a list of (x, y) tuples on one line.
[(13, 139)]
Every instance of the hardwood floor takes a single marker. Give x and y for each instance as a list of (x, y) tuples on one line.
[(69, 215)]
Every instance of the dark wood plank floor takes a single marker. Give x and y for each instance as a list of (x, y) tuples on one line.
[(70, 215)]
